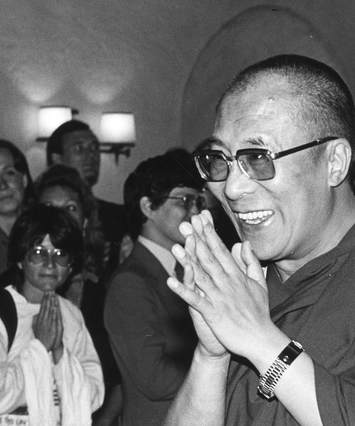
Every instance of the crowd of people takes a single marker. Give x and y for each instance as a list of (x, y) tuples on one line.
[(220, 293)]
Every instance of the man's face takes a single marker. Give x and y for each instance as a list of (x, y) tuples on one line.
[(285, 217), (12, 185), (81, 151), (168, 216)]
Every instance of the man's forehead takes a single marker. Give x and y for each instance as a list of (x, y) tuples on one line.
[(258, 109), (79, 136)]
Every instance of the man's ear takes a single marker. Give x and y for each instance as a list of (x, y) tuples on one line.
[(146, 206), (19, 265), (339, 158), (56, 158)]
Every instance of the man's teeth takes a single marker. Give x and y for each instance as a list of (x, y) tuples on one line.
[(255, 217)]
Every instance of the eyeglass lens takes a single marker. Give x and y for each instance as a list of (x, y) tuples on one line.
[(39, 255), (215, 165)]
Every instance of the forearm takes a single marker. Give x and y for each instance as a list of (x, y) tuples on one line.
[(296, 389), (201, 398)]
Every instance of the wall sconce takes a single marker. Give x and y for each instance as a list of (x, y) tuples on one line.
[(118, 133), (51, 117)]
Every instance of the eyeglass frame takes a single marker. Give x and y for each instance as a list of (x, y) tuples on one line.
[(189, 198), (269, 154), (51, 254)]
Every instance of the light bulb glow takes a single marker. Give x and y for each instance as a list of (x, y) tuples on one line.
[(118, 127)]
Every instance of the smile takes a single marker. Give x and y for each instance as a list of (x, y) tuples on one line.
[(255, 217)]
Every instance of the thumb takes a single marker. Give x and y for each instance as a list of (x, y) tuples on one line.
[(253, 267)]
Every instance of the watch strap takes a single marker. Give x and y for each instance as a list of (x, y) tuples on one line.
[(269, 380)]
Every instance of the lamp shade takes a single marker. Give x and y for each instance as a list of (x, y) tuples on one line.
[(51, 117), (118, 127)]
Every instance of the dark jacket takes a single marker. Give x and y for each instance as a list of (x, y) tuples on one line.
[(152, 337)]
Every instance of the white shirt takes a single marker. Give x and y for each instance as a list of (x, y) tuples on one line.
[(164, 256)]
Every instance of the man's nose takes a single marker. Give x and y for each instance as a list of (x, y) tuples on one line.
[(237, 183)]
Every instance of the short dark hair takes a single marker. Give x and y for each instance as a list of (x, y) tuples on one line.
[(324, 100), (155, 178), (35, 223), (20, 164), (55, 141)]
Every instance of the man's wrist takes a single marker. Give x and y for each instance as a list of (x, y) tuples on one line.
[(203, 355), (268, 348)]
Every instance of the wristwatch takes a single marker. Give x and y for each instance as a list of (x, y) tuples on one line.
[(269, 380)]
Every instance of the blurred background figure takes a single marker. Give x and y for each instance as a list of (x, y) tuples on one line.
[(74, 144), (149, 327), (51, 374), (61, 186), (15, 188)]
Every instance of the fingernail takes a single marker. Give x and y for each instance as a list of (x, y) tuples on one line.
[(172, 282), (178, 251)]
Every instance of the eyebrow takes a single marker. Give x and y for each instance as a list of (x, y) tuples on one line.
[(256, 141)]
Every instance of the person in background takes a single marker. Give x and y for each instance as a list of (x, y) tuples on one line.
[(15, 187), (149, 327), (74, 144), (279, 162), (61, 186), (51, 375)]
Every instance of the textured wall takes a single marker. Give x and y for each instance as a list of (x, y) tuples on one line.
[(164, 60)]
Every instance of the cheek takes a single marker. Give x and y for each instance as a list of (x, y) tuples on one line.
[(217, 189)]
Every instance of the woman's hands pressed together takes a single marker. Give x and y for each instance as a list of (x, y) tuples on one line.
[(48, 325)]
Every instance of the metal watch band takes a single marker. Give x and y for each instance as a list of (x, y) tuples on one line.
[(269, 380)]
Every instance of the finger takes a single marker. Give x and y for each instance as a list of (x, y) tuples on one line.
[(206, 259), (190, 246), (237, 256), (195, 272), (45, 306), (191, 297), (197, 224), (206, 214), (189, 281), (185, 229), (219, 252), (254, 269)]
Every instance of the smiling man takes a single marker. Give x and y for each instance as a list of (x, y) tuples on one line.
[(151, 332), (279, 162)]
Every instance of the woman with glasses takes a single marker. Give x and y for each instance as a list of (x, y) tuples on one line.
[(51, 375)]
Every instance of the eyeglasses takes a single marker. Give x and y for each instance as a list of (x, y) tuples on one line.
[(40, 254), (189, 201), (256, 163)]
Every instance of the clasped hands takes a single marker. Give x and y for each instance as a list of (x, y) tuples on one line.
[(48, 325), (226, 291)]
